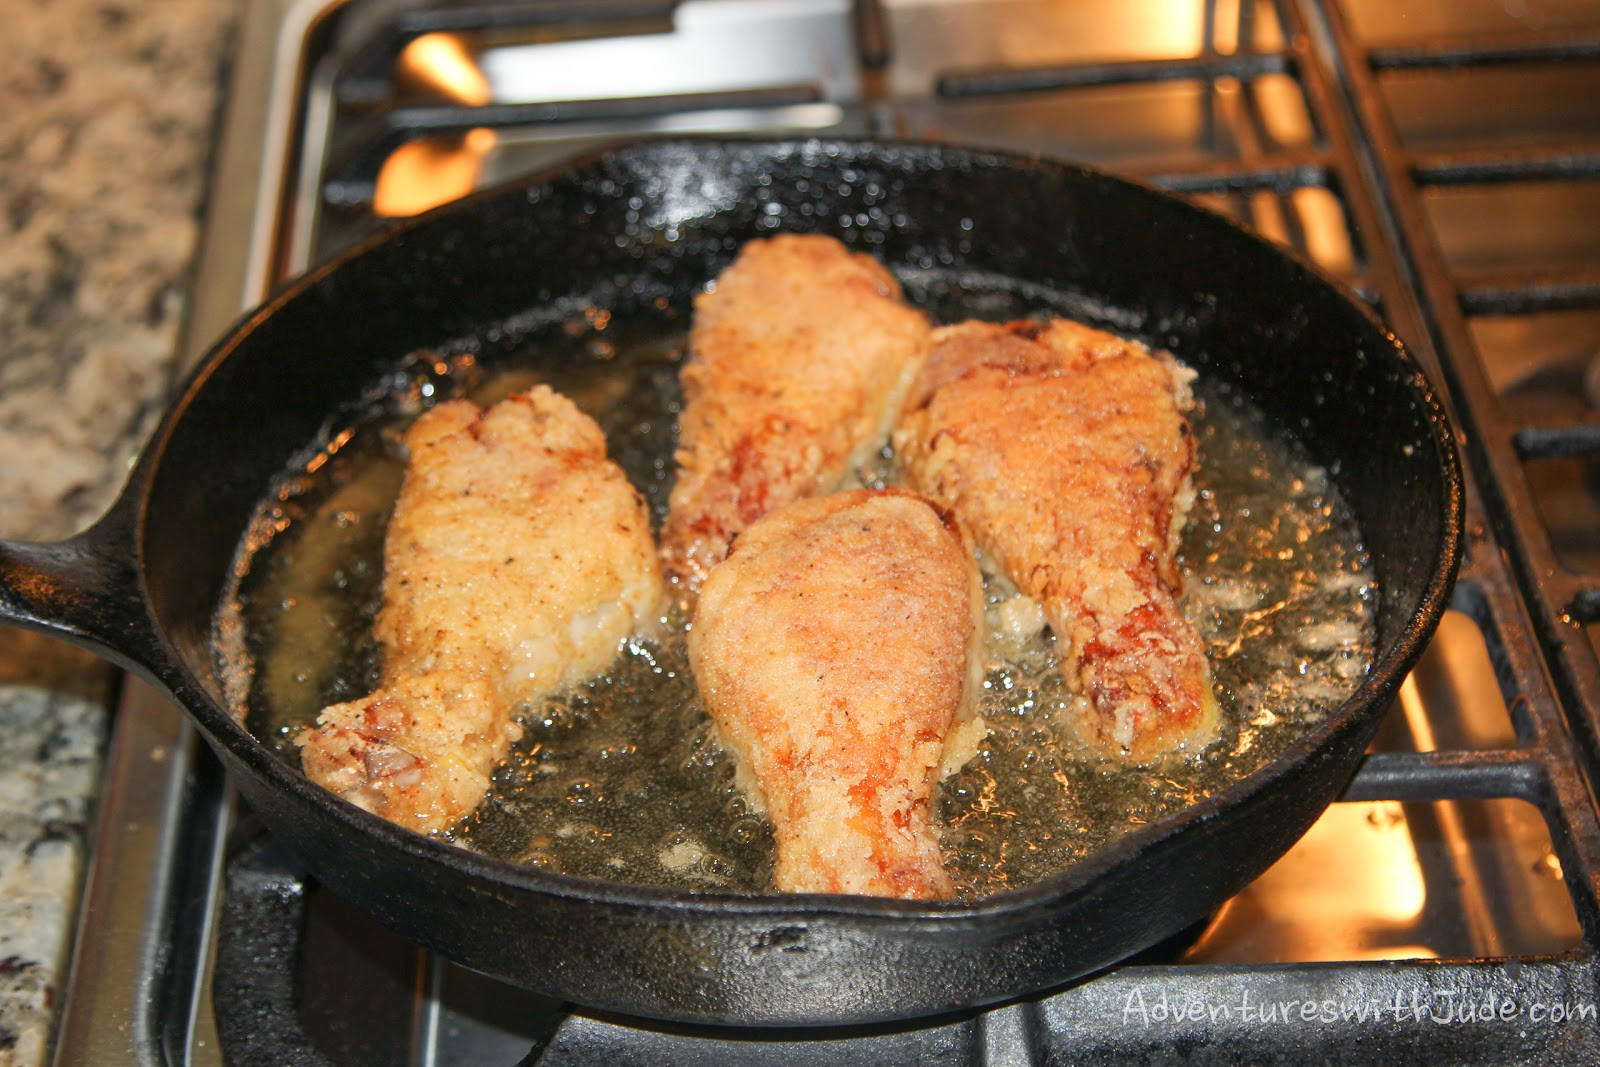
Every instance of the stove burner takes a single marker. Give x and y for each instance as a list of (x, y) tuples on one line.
[(306, 980)]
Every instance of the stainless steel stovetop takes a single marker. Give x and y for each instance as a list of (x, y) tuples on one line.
[(1442, 159)]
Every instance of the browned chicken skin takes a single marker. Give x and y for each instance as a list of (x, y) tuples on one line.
[(1066, 451), (837, 649), (517, 559), (798, 358)]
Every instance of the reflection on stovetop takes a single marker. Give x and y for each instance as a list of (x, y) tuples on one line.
[(1442, 159)]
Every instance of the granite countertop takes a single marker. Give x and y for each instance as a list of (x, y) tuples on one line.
[(104, 144)]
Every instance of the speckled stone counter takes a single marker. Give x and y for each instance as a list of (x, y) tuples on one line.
[(104, 141)]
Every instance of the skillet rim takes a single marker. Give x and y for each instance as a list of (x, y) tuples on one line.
[(1017, 908)]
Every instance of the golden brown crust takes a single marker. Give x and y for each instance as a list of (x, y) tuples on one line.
[(834, 648), (798, 358), (1067, 452), (517, 558)]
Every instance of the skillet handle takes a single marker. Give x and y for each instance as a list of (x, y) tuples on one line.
[(85, 590)]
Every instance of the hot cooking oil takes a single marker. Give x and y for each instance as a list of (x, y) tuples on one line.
[(622, 777)]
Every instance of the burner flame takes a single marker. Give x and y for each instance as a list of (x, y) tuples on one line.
[(427, 172)]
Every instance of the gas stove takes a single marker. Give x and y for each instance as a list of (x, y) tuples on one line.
[(1442, 160)]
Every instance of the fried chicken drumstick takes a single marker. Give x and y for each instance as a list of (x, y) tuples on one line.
[(837, 649), (517, 559), (1065, 450), (798, 358)]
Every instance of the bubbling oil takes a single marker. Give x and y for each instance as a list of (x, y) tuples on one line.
[(622, 777)]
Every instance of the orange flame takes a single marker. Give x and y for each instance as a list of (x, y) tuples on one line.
[(430, 171)]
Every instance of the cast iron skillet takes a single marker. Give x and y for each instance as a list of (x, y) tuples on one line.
[(142, 585)]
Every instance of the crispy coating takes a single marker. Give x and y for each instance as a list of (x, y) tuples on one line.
[(838, 650), (1067, 452), (517, 559), (799, 356)]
